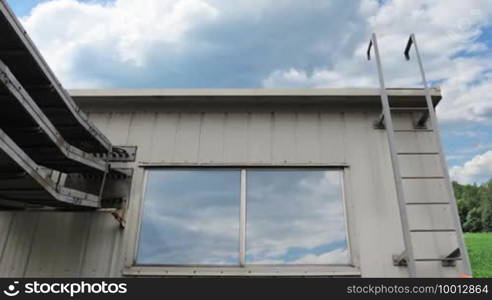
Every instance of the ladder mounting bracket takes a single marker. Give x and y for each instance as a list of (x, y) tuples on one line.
[(421, 122), (451, 258), (400, 260), (120, 218), (379, 123)]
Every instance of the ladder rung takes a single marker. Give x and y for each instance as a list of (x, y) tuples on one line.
[(422, 177), (432, 230), (413, 130), (428, 203), (409, 108), (439, 259), (418, 153)]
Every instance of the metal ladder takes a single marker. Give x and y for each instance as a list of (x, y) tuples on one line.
[(428, 114)]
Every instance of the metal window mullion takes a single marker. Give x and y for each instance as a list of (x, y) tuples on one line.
[(242, 220)]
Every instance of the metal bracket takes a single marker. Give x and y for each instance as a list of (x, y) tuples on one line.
[(408, 47), (120, 154), (400, 260), (119, 216), (379, 123), (451, 258), (421, 122), (369, 50)]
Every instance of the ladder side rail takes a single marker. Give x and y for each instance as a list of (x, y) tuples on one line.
[(435, 127), (407, 239)]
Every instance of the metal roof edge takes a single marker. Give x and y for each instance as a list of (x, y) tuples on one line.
[(326, 92)]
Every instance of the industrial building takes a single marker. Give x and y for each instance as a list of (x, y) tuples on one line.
[(219, 182)]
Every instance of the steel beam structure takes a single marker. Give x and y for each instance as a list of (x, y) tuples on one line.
[(19, 53), (27, 125)]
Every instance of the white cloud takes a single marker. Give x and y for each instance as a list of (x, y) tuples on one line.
[(337, 256), (477, 170), (447, 32), (123, 31), (191, 43), (245, 43)]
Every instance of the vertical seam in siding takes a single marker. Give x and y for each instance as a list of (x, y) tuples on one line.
[(272, 131), (84, 251), (176, 130), (5, 243), (31, 245), (152, 135), (115, 240), (248, 136), (223, 137), (318, 137), (130, 123), (344, 133), (296, 137), (200, 132)]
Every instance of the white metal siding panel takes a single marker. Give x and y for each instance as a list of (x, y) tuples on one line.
[(187, 138), (212, 138), (405, 121), (260, 138), (103, 231), (17, 249), (307, 137), (69, 262), (141, 133), (376, 211), (236, 137), (5, 225), (430, 217), (100, 248), (435, 269), (332, 137), (100, 120), (416, 141), (164, 137), (45, 245), (48, 258), (284, 138), (420, 166), (118, 127), (425, 190), (433, 245)]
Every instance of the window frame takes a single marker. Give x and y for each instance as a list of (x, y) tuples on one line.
[(242, 269)]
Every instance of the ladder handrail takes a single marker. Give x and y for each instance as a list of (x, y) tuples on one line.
[(407, 239), (435, 126)]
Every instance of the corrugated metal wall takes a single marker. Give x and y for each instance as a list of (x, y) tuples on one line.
[(91, 244)]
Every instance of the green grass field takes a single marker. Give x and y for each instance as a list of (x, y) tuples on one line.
[(480, 251)]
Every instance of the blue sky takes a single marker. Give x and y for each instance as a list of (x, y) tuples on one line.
[(289, 43)]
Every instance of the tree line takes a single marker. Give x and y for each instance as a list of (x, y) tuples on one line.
[(474, 206)]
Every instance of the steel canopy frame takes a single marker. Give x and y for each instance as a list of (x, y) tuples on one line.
[(72, 159), (28, 183), (26, 63)]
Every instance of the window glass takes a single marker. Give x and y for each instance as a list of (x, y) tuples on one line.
[(295, 217), (190, 217)]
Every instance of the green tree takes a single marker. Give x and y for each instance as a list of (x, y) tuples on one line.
[(474, 206)]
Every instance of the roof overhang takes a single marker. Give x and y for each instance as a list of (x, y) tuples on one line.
[(403, 96)]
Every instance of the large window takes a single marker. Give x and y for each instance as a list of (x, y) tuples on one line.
[(190, 217), (234, 217)]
